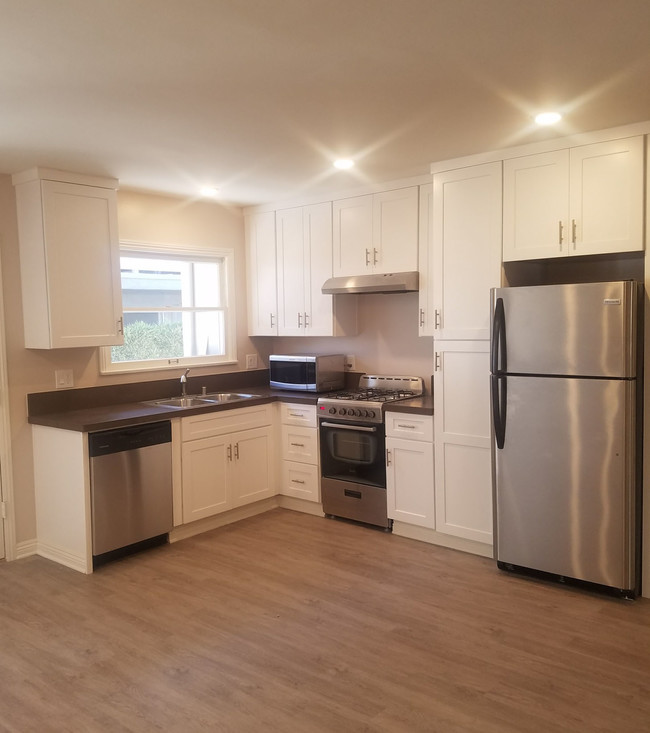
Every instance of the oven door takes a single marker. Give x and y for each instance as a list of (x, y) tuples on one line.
[(353, 452)]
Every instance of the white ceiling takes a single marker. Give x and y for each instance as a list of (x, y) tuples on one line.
[(258, 96)]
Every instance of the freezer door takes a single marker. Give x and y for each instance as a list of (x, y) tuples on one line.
[(586, 329), (564, 479)]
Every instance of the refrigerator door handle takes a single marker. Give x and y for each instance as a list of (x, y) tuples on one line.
[(498, 352), (499, 401)]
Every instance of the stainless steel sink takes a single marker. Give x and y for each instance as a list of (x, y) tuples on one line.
[(202, 400)]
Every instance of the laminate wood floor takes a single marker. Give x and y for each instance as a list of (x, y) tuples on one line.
[(289, 622)]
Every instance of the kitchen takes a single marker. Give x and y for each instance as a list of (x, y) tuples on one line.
[(387, 335)]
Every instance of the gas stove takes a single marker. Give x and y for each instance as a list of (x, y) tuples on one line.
[(367, 403)]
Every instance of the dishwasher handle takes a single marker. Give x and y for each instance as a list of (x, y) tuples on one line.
[(133, 437)]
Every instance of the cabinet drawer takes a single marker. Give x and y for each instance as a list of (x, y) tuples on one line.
[(300, 480), (300, 444), (294, 414), (228, 421), (405, 425)]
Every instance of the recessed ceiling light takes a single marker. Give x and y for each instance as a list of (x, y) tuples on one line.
[(209, 191), (548, 118), (343, 163)]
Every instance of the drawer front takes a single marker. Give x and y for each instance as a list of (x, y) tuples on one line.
[(300, 444), (300, 480), (228, 421), (405, 425), (293, 414)]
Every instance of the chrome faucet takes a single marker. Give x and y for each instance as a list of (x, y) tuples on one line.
[(184, 383)]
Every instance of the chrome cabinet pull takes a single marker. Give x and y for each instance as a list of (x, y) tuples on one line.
[(306, 320), (388, 463), (574, 238), (271, 314), (237, 451), (436, 318), (367, 257), (296, 481), (560, 234), (374, 256), (229, 452), (299, 320), (297, 445), (437, 364), (410, 427), (421, 317), (359, 428), (120, 326)]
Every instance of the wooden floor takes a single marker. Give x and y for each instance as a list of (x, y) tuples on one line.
[(289, 622)]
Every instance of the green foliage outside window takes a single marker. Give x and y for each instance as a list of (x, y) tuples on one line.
[(149, 341)]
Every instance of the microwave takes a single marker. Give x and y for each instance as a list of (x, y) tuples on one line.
[(307, 372)]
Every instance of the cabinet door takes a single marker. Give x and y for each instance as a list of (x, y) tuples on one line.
[(606, 197), (466, 260), (463, 473), (301, 480), (352, 236), (319, 315), (395, 231), (83, 266), (291, 267), (261, 268), (536, 206), (205, 477), (409, 481), (426, 318), (252, 465)]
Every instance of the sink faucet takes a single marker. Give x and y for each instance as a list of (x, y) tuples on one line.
[(184, 383)]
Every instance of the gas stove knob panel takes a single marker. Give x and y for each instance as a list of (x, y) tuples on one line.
[(332, 410), (371, 413), (343, 411)]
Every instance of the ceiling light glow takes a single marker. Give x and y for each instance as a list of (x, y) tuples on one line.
[(343, 164), (209, 191), (548, 118)]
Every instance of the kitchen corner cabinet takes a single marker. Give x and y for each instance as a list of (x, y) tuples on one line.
[(261, 271), (465, 255), (69, 260), (304, 262), (409, 469), (462, 448), (376, 233), (300, 472), (579, 201), (226, 460)]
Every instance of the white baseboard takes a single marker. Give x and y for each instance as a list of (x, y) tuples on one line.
[(26, 549), (438, 538), (63, 557)]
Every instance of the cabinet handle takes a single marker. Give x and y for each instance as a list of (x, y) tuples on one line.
[(436, 318), (374, 256), (229, 452), (560, 233), (298, 445), (410, 427), (388, 463), (574, 238), (421, 317), (296, 481), (295, 414), (367, 257), (299, 320), (271, 314), (120, 326), (437, 364), (237, 451), (306, 320)]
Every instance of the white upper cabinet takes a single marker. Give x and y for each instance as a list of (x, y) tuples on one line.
[(261, 270), (304, 262), (425, 262), (465, 259), (69, 260), (376, 233), (580, 201)]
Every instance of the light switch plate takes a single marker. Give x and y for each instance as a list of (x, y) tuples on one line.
[(63, 378), (350, 363), (251, 361)]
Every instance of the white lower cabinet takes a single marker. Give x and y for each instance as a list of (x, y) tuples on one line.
[(409, 469), (226, 468), (462, 440), (300, 471)]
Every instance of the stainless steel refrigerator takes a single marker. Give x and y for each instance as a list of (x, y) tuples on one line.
[(566, 410)]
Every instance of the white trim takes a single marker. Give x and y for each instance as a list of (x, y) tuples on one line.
[(63, 557), (26, 549), (422, 534)]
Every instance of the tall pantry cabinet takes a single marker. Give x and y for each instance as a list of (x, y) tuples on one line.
[(465, 262)]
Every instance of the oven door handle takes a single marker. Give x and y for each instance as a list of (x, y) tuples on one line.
[(348, 427)]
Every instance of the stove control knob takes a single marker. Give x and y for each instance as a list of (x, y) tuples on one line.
[(371, 413), (332, 410), (342, 411)]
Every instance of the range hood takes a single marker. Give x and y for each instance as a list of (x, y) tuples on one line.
[(393, 282)]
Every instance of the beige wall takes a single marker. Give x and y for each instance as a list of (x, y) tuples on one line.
[(142, 217)]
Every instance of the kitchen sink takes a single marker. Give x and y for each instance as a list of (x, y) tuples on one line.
[(202, 400)]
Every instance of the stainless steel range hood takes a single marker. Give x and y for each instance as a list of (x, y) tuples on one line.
[(393, 282)]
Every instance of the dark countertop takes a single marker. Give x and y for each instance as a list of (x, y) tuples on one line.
[(105, 417)]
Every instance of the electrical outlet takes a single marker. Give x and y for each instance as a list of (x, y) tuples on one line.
[(350, 363), (251, 361), (63, 378)]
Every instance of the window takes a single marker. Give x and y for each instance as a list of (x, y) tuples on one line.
[(177, 309)]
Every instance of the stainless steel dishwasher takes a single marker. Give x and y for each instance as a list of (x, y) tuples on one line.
[(130, 488)]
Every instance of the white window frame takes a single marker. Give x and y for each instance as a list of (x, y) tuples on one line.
[(178, 252)]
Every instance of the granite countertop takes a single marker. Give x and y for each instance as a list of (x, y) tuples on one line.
[(105, 417)]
